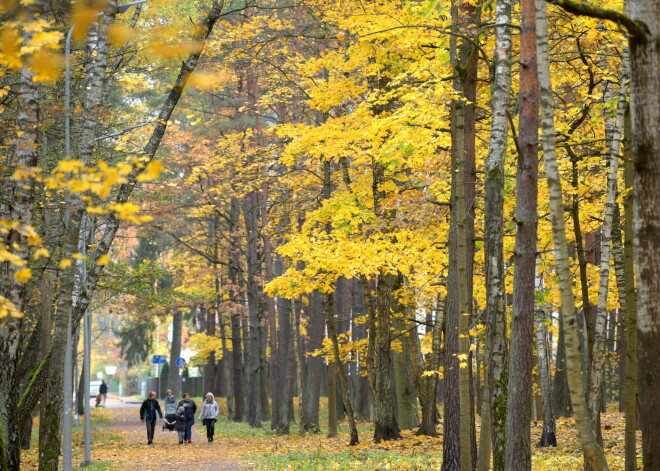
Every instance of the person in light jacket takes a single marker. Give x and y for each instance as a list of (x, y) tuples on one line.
[(209, 415), (170, 403)]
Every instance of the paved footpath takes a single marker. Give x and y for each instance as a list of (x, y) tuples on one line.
[(166, 453)]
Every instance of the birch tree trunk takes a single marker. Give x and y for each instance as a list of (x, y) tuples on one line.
[(549, 435), (592, 450), (17, 208), (628, 303), (70, 288), (497, 349), (615, 128)]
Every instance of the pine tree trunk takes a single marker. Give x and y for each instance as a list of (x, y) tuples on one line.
[(592, 450), (518, 446)]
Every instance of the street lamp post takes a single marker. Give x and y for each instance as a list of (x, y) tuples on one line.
[(68, 352)]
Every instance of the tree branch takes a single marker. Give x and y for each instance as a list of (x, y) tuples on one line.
[(637, 29)]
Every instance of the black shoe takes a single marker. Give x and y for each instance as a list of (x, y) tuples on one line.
[(149, 442), (180, 442), (210, 439)]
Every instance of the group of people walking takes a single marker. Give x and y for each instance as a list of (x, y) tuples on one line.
[(179, 417)]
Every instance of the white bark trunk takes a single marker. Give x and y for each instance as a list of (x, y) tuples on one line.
[(592, 450)]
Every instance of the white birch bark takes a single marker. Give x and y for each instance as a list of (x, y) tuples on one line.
[(592, 450), (496, 348), (615, 127)]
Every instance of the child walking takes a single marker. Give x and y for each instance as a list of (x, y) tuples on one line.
[(180, 423)]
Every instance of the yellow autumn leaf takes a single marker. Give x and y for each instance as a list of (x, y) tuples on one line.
[(151, 172), (9, 48), (46, 65), (65, 263), (39, 253), (120, 33), (84, 15), (23, 275), (104, 260)]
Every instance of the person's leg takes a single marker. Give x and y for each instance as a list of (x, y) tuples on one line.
[(189, 424), (181, 433), (210, 427), (151, 424), (103, 398)]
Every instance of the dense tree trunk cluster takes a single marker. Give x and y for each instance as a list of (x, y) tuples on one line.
[(392, 215)]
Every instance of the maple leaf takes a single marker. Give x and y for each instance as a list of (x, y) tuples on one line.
[(23, 275)]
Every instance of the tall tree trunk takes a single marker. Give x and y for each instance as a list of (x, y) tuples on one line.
[(312, 378), (518, 447), (70, 288), (459, 420), (427, 385), (645, 111), (236, 298), (592, 450), (295, 340), (386, 426), (332, 399), (548, 435), (401, 361), (16, 208), (497, 349), (208, 380), (625, 274), (253, 364), (561, 400), (173, 376), (615, 130)]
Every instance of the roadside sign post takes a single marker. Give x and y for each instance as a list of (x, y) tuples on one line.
[(158, 360), (180, 363)]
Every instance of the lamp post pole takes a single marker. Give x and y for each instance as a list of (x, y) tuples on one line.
[(68, 352)]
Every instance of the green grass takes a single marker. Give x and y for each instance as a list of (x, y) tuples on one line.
[(228, 428), (362, 460), (95, 466)]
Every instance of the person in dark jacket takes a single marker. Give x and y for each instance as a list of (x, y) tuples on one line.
[(103, 391), (190, 408), (150, 408)]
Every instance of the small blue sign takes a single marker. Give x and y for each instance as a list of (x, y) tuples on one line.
[(180, 362), (159, 359)]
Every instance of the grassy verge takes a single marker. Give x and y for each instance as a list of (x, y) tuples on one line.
[(362, 460)]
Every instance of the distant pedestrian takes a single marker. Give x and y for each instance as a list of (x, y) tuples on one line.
[(209, 415), (180, 423), (103, 391), (170, 403), (190, 408), (150, 408)]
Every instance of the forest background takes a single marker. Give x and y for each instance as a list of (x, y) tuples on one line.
[(349, 192)]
